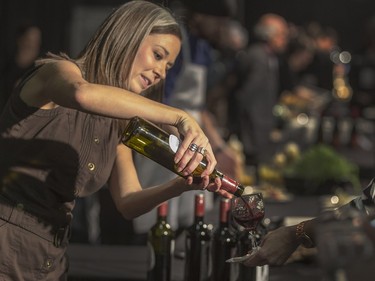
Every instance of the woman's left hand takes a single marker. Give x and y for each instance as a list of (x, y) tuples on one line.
[(205, 184)]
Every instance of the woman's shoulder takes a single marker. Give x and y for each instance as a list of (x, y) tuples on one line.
[(55, 64), (51, 77)]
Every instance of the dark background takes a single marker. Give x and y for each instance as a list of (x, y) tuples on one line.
[(348, 17)]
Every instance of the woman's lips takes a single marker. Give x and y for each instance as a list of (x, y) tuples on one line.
[(145, 82)]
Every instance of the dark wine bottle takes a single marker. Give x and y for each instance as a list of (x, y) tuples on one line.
[(224, 247), (161, 244), (197, 245), (158, 145)]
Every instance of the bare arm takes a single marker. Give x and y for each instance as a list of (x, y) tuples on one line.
[(61, 84), (130, 199)]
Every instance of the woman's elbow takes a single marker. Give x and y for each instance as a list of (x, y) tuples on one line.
[(127, 211), (81, 96)]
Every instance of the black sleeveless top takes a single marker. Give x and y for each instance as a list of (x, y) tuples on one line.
[(50, 157)]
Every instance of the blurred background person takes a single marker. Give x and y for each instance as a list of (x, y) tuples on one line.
[(259, 89), (222, 73), (296, 59), (325, 40), (27, 49)]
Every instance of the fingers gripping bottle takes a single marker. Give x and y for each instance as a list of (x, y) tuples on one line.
[(148, 139)]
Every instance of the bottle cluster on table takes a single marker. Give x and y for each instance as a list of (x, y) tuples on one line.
[(207, 247)]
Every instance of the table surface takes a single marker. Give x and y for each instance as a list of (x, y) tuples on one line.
[(130, 263)]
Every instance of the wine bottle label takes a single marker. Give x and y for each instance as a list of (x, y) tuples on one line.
[(174, 143)]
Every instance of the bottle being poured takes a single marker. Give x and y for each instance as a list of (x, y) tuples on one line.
[(153, 142)]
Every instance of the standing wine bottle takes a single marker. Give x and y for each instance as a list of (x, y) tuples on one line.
[(224, 247), (198, 238), (161, 244), (153, 142)]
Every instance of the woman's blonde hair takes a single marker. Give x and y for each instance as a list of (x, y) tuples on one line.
[(109, 55)]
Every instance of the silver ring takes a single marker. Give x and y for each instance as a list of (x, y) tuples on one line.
[(193, 147), (202, 150)]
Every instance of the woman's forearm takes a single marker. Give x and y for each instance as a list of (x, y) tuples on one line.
[(139, 202)]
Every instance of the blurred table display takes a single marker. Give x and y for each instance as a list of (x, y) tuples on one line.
[(319, 170)]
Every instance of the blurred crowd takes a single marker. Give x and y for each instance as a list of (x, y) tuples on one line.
[(252, 90)]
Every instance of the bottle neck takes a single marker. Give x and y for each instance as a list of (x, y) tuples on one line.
[(162, 219), (224, 212), (230, 184), (198, 219), (163, 210), (199, 207)]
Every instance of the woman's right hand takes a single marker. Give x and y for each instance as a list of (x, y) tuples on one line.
[(193, 147)]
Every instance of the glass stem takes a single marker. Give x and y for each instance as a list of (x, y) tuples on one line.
[(253, 238)]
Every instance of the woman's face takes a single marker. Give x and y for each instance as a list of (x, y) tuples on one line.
[(155, 56)]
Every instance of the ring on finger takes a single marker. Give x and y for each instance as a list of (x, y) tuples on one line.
[(202, 150), (193, 147)]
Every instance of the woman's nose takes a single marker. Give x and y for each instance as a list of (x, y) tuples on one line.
[(161, 71)]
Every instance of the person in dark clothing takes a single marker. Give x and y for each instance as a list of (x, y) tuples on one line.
[(258, 92), (27, 50)]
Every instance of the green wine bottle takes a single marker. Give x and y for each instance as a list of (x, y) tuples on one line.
[(161, 244), (158, 145)]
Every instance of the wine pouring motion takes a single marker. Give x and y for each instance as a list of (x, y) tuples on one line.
[(248, 211), (148, 139)]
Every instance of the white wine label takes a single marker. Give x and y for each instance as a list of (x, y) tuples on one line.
[(174, 143)]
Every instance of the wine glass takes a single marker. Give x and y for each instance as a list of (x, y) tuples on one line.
[(247, 212)]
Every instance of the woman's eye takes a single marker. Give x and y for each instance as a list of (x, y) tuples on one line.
[(158, 56)]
